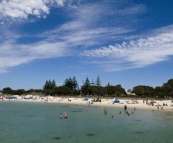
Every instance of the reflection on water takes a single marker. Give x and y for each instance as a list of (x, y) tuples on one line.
[(40, 122)]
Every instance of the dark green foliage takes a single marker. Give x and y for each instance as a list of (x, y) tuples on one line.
[(164, 91), (49, 85), (7, 90), (167, 89), (72, 84), (63, 90), (143, 90), (98, 82), (92, 90), (170, 82), (71, 87), (85, 86), (158, 92), (18, 92), (115, 90), (35, 91)]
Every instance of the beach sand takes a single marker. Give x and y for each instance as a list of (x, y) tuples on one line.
[(137, 104)]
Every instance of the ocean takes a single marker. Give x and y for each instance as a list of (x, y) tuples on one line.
[(28, 122)]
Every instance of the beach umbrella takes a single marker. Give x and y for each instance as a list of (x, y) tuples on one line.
[(116, 101)]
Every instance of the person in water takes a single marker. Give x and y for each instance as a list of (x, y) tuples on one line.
[(125, 107), (105, 111), (65, 115), (61, 116)]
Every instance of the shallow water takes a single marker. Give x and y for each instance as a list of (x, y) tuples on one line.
[(40, 123)]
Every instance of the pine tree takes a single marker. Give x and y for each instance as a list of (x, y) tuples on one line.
[(69, 83), (53, 84), (98, 82), (75, 84), (86, 86)]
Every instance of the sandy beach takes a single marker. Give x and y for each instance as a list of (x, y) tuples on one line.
[(130, 103)]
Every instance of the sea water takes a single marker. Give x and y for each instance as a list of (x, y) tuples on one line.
[(26, 122)]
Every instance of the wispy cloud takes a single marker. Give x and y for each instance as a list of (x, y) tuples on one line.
[(90, 26), (13, 55), (135, 53)]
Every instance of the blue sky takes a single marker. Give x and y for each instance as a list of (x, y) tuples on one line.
[(127, 42)]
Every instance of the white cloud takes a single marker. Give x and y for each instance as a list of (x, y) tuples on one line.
[(133, 54), (13, 55), (87, 27), (23, 8), (60, 2)]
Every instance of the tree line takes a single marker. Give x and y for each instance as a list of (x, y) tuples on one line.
[(164, 91), (71, 87)]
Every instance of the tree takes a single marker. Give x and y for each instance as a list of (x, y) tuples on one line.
[(68, 83), (158, 92), (92, 90), (75, 85), (18, 92), (7, 90), (108, 84), (116, 91), (85, 86), (142, 90), (98, 82), (63, 90), (53, 84), (49, 84), (49, 87)]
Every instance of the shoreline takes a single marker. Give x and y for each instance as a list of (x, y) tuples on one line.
[(138, 104)]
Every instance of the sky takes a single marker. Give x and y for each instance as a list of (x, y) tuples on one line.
[(126, 42)]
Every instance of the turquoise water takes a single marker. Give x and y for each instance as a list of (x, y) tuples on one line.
[(22, 122)]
